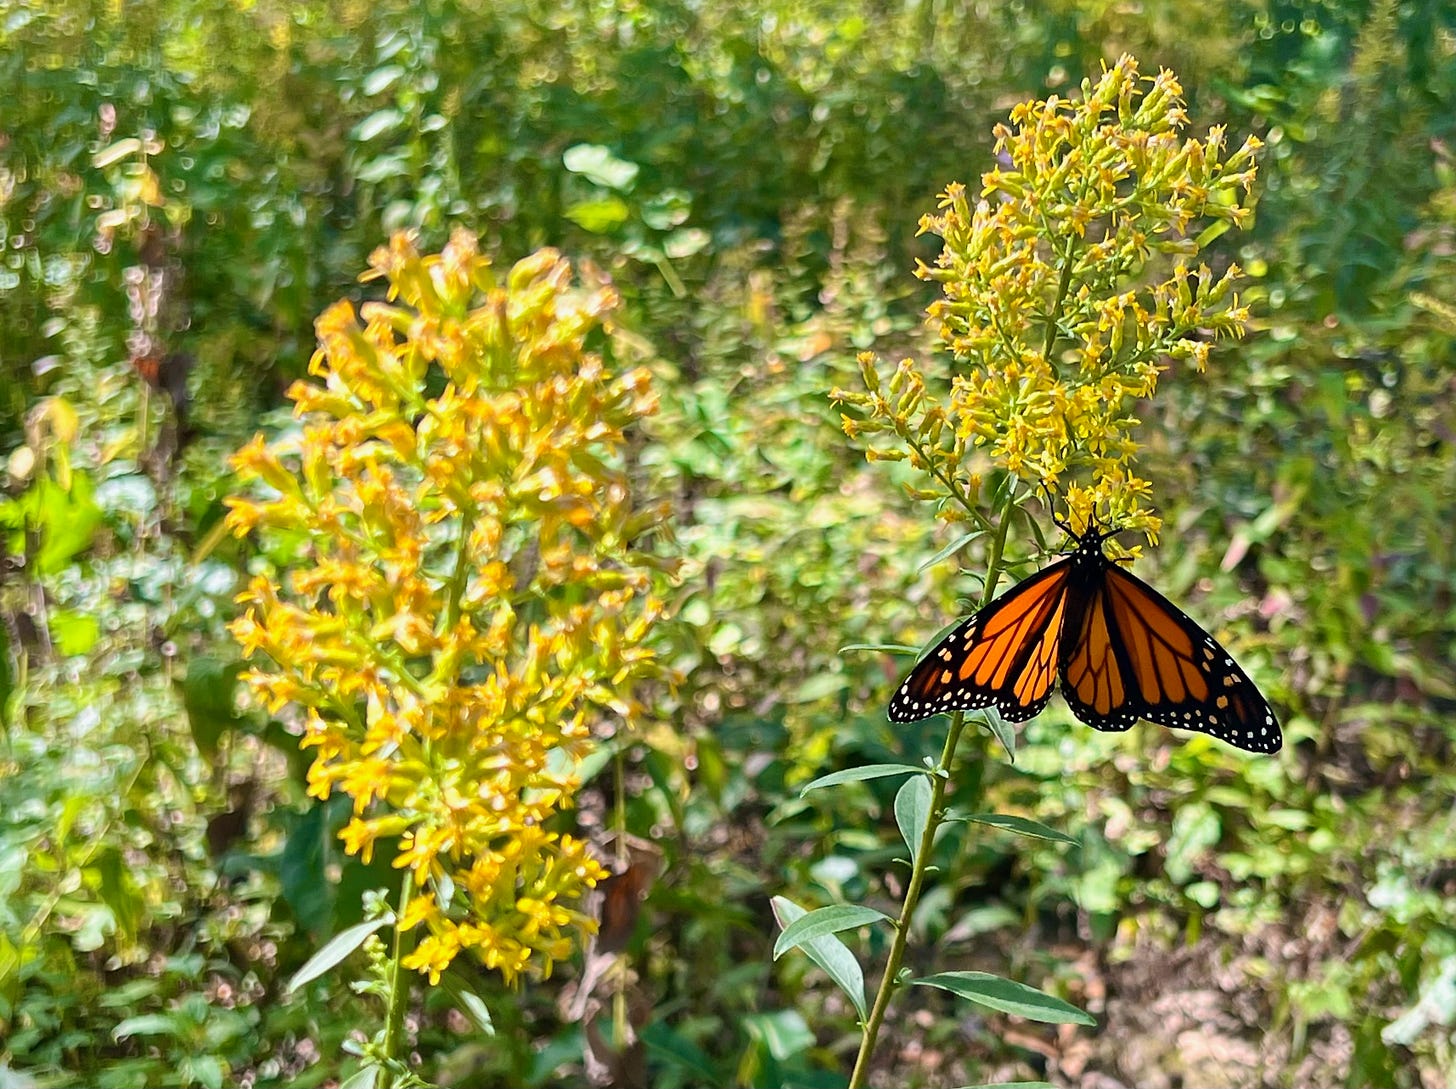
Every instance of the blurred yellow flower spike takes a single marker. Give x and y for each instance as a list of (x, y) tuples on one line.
[(470, 593), (1067, 286)]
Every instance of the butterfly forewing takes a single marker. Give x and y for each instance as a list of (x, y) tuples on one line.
[(1005, 656)]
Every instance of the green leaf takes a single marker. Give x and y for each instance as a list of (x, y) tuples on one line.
[(952, 548), (829, 953), (687, 242), (668, 209), (599, 216), (381, 79), (1020, 825), (912, 812), (855, 775), (68, 521), (114, 153), (826, 920), (207, 697), (1008, 996), (1212, 231), (593, 762), (1035, 527), (376, 124), (597, 164), (679, 1050), (1001, 730), (74, 633), (363, 1078), (336, 949), (1196, 830), (301, 867), (882, 648), (390, 165), (148, 1024), (783, 1032), (206, 1070), (1204, 893), (1437, 1005), (468, 1002)]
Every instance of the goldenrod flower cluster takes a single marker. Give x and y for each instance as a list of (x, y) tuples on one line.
[(467, 599), (1066, 288)]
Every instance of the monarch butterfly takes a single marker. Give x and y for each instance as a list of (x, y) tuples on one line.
[(1122, 650)]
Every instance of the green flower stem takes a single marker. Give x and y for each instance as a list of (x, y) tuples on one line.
[(920, 865), (398, 986), (918, 868)]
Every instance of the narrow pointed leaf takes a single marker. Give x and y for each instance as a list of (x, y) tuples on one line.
[(1020, 825), (1212, 231), (829, 953), (468, 1002), (952, 548), (363, 1078), (1002, 731), (1009, 996), (912, 811), (855, 775), (335, 950), (826, 920), (882, 648)]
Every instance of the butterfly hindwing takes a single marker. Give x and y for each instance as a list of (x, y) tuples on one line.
[(1174, 672), (1005, 656)]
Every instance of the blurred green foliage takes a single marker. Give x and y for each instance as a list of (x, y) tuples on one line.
[(750, 177)]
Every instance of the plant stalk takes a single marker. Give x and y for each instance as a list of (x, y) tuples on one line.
[(920, 865), (398, 986)]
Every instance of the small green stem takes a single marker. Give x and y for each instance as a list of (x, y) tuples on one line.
[(398, 986), (890, 979), (920, 864)]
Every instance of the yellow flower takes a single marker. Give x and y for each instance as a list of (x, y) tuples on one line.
[(1053, 347), (464, 607)]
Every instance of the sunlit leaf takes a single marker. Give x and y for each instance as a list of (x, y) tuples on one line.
[(363, 1078), (597, 163), (468, 1002), (829, 953), (599, 216), (336, 949), (880, 648), (855, 775), (377, 124), (1008, 996), (148, 1024), (952, 548), (114, 153), (912, 812), (1020, 825), (826, 920), (74, 633), (381, 79)]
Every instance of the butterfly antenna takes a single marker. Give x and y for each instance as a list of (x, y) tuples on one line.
[(1051, 506)]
